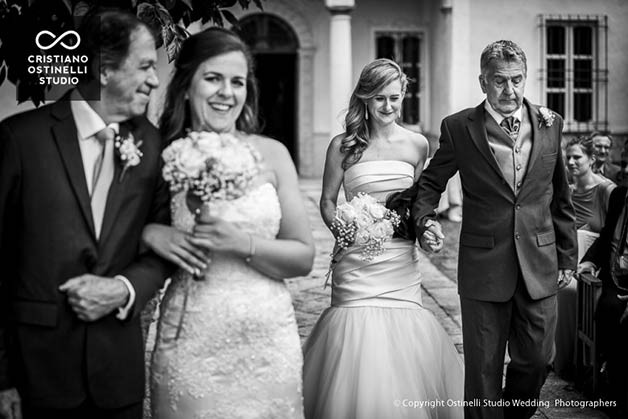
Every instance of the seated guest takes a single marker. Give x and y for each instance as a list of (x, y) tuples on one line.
[(603, 164), (590, 194), (608, 255)]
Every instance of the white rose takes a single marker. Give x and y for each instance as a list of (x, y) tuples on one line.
[(208, 142), (377, 211), (346, 213), (363, 220), (362, 237), (379, 230), (170, 153), (190, 161)]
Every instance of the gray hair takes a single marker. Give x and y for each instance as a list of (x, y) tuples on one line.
[(504, 51)]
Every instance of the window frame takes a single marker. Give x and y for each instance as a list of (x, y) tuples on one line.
[(599, 71), (423, 86)]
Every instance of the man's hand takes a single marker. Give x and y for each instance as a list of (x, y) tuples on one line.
[(624, 316), (433, 238), (564, 277), (587, 268), (93, 297), (10, 404)]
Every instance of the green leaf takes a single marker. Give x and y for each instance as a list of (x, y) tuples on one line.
[(230, 17), (173, 48), (164, 15), (168, 34)]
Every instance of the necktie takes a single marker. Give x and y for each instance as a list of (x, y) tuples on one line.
[(511, 126), (102, 176)]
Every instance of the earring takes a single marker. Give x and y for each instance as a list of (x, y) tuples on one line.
[(366, 113)]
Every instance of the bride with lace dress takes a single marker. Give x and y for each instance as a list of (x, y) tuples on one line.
[(227, 344), (377, 352)]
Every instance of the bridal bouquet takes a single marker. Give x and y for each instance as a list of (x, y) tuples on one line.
[(363, 222), (209, 166)]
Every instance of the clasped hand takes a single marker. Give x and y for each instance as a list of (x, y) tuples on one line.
[(433, 238), (564, 277), (93, 297)]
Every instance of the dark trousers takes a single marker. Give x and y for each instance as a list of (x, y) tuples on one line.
[(87, 410), (527, 326), (613, 347)]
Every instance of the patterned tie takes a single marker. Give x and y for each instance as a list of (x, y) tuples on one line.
[(102, 176), (511, 126)]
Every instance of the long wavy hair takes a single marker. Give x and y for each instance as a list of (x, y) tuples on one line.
[(374, 77), (195, 50)]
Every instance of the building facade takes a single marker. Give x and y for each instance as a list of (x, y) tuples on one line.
[(309, 54)]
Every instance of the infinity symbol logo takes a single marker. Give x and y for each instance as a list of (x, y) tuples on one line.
[(57, 40)]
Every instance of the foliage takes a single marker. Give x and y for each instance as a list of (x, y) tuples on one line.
[(22, 20)]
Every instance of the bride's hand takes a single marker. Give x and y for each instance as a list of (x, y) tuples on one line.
[(433, 238), (173, 245), (215, 234)]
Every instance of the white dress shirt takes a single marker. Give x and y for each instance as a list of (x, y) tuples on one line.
[(88, 123), (499, 117)]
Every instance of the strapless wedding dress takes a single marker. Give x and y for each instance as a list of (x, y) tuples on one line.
[(376, 352), (227, 346)]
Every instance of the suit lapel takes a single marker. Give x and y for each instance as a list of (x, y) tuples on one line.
[(539, 136), (115, 196), (65, 136), (477, 131)]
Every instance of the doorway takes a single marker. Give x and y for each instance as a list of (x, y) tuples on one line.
[(275, 46)]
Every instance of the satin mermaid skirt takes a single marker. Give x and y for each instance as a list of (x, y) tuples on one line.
[(376, 352)]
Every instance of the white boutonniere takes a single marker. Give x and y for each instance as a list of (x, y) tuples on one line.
[(129, 152), (546, 117)]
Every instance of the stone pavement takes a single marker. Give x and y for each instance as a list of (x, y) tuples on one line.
[(439, 296)]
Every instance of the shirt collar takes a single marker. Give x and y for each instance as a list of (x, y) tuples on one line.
[(88, 122), (497, 116)]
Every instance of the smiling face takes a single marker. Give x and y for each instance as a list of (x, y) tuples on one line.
[(503, 82), (127, 89), (217, 92), (578, 162), (385, 107)]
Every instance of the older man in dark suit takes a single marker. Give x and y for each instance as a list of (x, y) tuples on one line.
[(518, 238), (71, 216)]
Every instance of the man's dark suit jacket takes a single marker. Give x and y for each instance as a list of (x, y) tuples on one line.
[(503, 234), (47, 237)]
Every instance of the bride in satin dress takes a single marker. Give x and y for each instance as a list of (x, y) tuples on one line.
[(377, 352), (227, 344)]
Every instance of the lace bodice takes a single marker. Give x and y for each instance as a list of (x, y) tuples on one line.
[(246, 211), (238, 351)]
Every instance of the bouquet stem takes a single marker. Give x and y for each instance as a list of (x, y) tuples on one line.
[(201, 213)]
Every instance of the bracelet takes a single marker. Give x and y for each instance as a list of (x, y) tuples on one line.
[(247, 259)]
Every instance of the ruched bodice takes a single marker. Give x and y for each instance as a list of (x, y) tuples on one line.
[(227, 345), (378, 178), (391, 279)]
